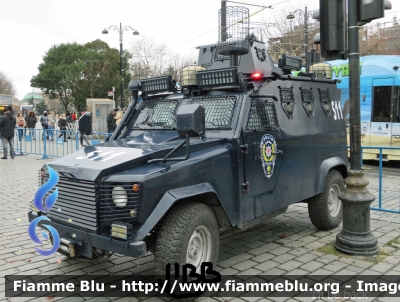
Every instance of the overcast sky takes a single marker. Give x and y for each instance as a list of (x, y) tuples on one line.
[(30, 27)]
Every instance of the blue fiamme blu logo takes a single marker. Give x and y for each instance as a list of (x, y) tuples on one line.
[(45, 208)]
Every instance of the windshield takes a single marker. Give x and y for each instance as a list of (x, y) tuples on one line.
[(161, 113)]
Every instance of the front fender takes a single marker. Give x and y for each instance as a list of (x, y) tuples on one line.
[(167, 201), (326, 166)]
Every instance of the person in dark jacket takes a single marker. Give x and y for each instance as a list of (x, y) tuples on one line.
[(7, 125), (44, 120), (70, 124), (31, 122), (25, 115), (62, 124), (111, 124)]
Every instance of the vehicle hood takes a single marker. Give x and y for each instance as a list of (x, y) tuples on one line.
[(93, 162)]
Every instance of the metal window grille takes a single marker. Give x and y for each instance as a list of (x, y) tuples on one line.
[(307, 98), (287, 100), (325, 101), (286, 94), (157, 114), (262, 116), (219, 110), (324, 96)]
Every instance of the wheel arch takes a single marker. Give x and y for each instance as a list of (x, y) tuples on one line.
[(333, 163), (202, 193)]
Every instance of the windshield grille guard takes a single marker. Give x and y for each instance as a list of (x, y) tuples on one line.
[(156, 114), (219, 110)]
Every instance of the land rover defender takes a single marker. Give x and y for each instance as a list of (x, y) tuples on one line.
[(235, 143)]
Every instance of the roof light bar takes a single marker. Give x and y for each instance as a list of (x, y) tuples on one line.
[(154, 85), (218, 77), (290, 62)]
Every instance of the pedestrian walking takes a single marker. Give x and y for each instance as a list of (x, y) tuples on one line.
[(52, 125), (25, 115), (70, 124), (111, 124), (44, 120), (21, 124), (62, 124), (7, 125), (31, 124)]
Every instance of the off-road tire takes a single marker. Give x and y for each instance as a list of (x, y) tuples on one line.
[(178, 229), (325, 209)]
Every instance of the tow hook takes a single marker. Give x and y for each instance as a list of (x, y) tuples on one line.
[(69, 246)]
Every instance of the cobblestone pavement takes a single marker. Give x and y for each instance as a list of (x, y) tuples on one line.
[(288, 244)]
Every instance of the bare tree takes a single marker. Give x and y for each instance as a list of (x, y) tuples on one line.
[(6, 85), (380, 39), (177, 62), (287, 36), (150, 59)]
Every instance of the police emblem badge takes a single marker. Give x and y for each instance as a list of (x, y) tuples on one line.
[(268, 150)]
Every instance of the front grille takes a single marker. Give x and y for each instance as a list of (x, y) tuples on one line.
[(76, 204), (109, 212)]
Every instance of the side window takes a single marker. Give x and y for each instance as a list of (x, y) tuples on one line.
[(287, 100), (307, 99), (325, 101), (262, 116), (381, 103)]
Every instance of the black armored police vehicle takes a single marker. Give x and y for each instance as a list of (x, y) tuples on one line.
[(233, 143)]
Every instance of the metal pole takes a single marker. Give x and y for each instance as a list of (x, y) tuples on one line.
[(223, 20), (354, 88), (355, 237), (121, 66), (306, 38)]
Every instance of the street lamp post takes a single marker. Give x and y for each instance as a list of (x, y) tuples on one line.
[(121, 30), (306, 16)]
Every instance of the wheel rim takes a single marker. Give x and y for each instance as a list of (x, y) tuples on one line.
[(199, 247), (334, 203)]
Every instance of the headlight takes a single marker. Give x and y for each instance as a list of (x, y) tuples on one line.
[(119, 196)]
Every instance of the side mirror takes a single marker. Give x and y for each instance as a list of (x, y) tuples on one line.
[(85, 123), (190, 120)]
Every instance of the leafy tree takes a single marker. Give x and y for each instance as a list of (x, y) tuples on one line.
[(41, 106), (73, 72), (101, 73), (6, 85), (60, 71)]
